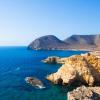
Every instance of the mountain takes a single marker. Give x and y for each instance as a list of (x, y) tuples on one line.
[(97, 40), (50, 42), (83, 41)]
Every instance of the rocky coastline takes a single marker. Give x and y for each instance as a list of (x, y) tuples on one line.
[(54, 60), (85, 93), (83, 68)]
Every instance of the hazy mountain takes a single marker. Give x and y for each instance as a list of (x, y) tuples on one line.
[(82, 41), (50, 42)]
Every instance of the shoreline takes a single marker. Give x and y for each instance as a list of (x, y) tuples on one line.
[(62, 49), (87, 63)]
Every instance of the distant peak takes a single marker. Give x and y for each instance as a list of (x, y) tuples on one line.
[(51, 42), (48, 36)]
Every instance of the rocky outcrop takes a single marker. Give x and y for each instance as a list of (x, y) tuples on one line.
[(54, 60), (51, 60), (83, 68), (96, 53), (35, 82), (85, 93)]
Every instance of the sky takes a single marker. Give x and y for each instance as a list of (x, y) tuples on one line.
[(22, 21)]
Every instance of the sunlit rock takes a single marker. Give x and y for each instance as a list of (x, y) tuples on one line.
[(85, 93), (83, 68), (35, 82)]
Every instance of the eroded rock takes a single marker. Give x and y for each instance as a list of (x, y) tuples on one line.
[(85, 93), (35, 82), (83, 68), (54, 60)]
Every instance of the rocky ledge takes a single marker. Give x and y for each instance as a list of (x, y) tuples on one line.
[(85, 93), (82, 68), (54, 60), (96, 53)]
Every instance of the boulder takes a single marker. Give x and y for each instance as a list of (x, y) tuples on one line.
[(35, 82)]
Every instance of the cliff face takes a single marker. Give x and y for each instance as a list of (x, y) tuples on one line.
[(83, 68), (50, 42)]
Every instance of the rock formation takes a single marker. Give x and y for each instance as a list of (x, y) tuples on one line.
[(83, 68), (96, 53), (35, 82), (54, 59), (85, 93)]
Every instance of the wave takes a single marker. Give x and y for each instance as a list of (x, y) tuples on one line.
[(18, 68), (40, 87)]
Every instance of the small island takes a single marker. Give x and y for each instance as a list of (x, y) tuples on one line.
[(35, 82)]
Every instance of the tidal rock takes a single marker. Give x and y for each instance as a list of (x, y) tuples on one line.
[(83, 68), (54, 60), (48, 42), (85, 93), (35, 82)]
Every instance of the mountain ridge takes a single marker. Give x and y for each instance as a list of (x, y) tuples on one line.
[(51, 42)]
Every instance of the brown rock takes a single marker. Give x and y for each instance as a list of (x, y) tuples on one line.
[(35, 82), (85, 93), (54, 59), (83, 68)]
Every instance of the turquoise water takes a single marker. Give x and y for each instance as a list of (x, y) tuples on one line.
[(16, 63)]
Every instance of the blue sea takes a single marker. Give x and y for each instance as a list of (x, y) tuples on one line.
[(16, 63)]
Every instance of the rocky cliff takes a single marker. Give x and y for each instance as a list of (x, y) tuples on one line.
[(85, 93), (82, 68)]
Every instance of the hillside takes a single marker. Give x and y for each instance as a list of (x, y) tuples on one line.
[(47, 43), (50, 42), (83, 41)]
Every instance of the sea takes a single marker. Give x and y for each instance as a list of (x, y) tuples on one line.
[(17, 63)]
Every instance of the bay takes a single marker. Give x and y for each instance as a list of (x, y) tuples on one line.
[(16, 63)]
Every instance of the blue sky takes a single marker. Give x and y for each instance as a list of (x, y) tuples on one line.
[(21, 21)]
